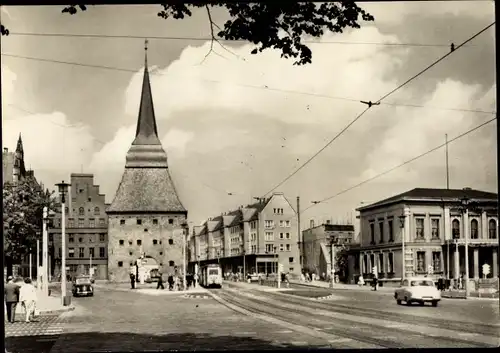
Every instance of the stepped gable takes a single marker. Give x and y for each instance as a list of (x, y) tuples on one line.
[(146, 185)]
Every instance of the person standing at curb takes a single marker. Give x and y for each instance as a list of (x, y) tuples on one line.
[(11, 293), (132, 281), (160, 281)]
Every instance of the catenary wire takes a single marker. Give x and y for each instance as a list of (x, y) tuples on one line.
[(378, 101), (310, 94), (109, 36), (411, 160)]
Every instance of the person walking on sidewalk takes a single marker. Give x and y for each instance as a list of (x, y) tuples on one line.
[(160, 281), (11, 294), (375, 282), (27, 296), (132, 281)]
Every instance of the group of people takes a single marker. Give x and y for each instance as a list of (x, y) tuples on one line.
[(24, 294), (175, 282)]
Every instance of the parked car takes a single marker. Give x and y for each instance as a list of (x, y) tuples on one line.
[(82, 286), (417, 290)]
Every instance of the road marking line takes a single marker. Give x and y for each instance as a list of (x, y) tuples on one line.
[(318, 329), (285, 331), (299, 343), (466, 334), (338, 340), (246, 333)]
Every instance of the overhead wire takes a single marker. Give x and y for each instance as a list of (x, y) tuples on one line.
[(369, 106), (263, 87), (110, 36)]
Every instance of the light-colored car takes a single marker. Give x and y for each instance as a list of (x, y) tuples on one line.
[(417, 290)]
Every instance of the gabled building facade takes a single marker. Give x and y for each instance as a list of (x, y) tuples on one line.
[(147, 221), (422, 232), (86, 231), (254, 238)]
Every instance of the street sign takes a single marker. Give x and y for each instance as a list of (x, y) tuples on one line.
[(430, 270), (486, 270)]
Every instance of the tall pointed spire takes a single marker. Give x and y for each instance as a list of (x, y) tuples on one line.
[(146, 150), (146, 132), (19, 147)]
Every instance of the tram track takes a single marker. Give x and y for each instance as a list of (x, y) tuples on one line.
[(383, 337), (476, 328)]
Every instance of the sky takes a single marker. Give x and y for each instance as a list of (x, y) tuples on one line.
[(235, 125)]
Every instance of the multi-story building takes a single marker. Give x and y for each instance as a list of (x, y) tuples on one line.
[(86, 230), (422, 231), (255, 238), (318, 242), (147, 220)]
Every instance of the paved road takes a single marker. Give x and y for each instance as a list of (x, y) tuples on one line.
[(374, 318), (474, 310), (116, 321)]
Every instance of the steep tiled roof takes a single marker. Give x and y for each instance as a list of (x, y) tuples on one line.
[(146, 190), (435, 194), (146, 185), (238, 218), (248, 213)]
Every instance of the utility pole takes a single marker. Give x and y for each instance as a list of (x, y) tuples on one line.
[(447, 167), (299, 236), (45, 250)]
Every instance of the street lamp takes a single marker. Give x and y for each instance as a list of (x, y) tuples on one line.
[(333, 242), (63, 189), (465, 202), (402, 220)]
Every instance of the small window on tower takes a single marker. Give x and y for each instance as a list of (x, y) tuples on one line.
[(122, 221), (155, 241), (155, 221), (139, 241), (131, 264), (171, 263), (171, 241), (161, 263), (121, 242), (130, 253), (90, 199), (130, 242), (161, 253), (170, 221), (145, 229), (139, 221), (120, 263)]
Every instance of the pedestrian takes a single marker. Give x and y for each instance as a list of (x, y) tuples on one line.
[(160, 281), (170, 280), (11, 293), (195, 277), (27, 296), (375, 281), (132, 281)]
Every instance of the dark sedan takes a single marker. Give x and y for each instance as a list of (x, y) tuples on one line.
[(82, 286)]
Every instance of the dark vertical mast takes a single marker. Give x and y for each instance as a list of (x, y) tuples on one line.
[(447, 167)]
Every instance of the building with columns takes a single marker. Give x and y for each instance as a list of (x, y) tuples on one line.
[(422, 232), (146, 220)]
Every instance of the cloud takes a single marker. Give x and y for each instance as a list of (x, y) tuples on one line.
[(233, 125)]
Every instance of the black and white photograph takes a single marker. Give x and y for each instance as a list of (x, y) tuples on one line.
[(249, 176)]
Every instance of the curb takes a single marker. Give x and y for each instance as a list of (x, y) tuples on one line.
[(58, 311)]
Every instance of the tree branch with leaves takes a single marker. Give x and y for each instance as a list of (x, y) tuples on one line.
[(281, 25)]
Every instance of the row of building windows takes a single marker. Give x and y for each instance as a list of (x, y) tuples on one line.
[(269, 236), (81, 223), (139, 242), (170, 263), (277, 210), (435, 229), (138, 221), (91, 238), (82, 252), (81, 211), (268, 224), (271, 248), (421, 263)]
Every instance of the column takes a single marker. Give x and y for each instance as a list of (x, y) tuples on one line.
[(361, 263), (456, 264), (447, 223), (494, 257), (484, 226), (476, 263)]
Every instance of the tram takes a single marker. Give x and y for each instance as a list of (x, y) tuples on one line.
[(211, 276)]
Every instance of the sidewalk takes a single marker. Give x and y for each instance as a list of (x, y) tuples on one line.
[(47, 305), (256, 286), (342, 286)]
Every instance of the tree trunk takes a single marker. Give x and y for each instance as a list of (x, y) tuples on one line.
[(8, 264)]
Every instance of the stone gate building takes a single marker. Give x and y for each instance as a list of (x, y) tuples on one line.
[(146, 218)]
